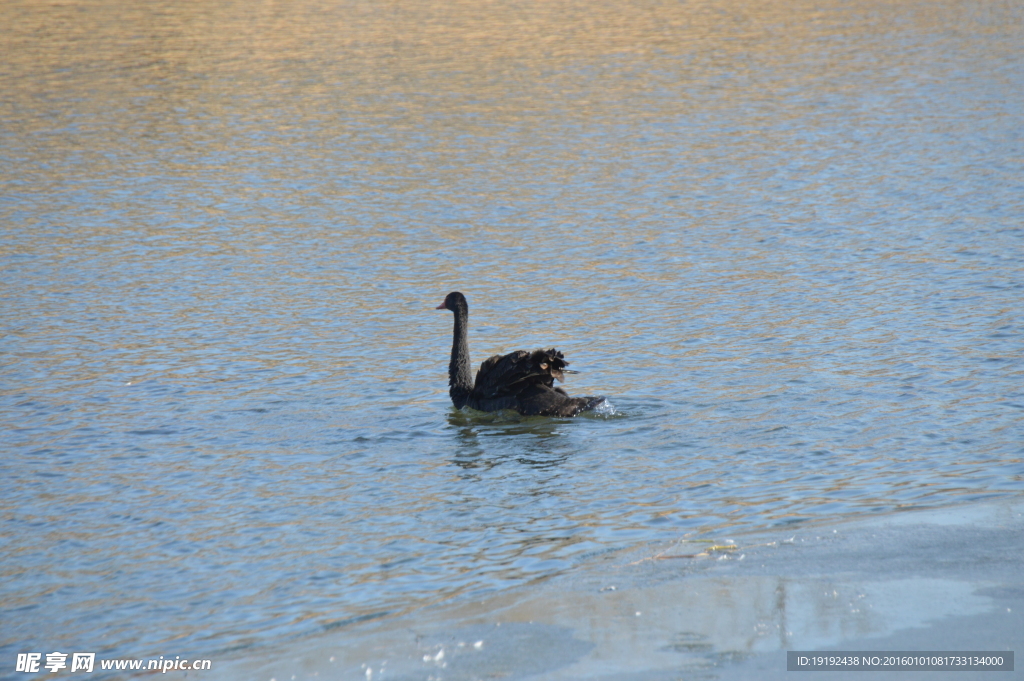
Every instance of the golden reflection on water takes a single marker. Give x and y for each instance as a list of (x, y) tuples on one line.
[(418, 92), (507, 59), (492, 101)]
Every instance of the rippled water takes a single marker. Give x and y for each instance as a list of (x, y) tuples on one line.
[(785, 240)]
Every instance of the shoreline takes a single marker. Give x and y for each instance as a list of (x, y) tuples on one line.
[(939, 579)]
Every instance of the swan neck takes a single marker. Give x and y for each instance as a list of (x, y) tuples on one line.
[(460, 371)]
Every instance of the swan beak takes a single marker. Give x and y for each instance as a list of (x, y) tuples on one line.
[(440, 307)]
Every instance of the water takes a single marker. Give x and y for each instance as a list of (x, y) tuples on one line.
[(786, 242)]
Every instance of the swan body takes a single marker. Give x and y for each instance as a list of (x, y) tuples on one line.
[(522, 381)]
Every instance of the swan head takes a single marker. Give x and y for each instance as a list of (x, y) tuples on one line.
[(454, 301)]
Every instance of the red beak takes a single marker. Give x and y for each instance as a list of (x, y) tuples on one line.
[(440, 307)]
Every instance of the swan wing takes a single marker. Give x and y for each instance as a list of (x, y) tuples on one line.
[(506, 375)]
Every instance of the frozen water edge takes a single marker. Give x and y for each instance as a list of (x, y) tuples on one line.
[(946, 579)]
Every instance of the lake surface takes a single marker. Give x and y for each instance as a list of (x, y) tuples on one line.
[(786, 241)]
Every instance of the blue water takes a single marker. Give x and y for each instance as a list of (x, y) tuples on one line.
[(787, 243)]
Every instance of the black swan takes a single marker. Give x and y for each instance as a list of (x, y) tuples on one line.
[(521, 380)]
